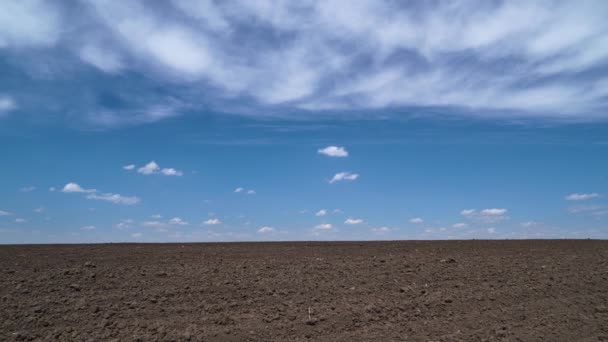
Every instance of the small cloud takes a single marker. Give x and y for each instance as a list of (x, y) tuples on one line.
[(7, 104), (20, 220), (251, 192), (459, 225), (337, 211), (74, 187), (490, 215), (324, 226), (321, 212), (153, 224), (176, 221), (114, 198), (529, 224), (52, 189), (333, 151), (342, 176), (156, 216), (153, 168), (136, 235), (129, 167), (382, 230), (582, 197), (239, 189), (5, 213), (171, 172), (39, 210), (124, 224), (494, 212), (265, 229), (491, 230), (467, 212), (416, 220), (213, 221), (149, 168), (27, 189), (353, 221), (87, 228)]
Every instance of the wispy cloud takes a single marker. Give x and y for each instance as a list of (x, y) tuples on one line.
[(344, 176), (528, 59), (353, 221), (416, 220), (582, 197), (88, 228), (333, 151), (5, 213), (490, 215), (321, 212), (93, 194), (27, 189)]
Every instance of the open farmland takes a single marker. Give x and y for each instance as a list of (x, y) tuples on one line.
[(307, 291)]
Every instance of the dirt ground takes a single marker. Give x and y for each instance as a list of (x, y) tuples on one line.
[(306, 291)]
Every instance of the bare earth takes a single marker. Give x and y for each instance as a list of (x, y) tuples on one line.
[(306, 291)]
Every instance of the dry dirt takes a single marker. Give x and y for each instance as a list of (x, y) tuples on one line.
[(305, 291)]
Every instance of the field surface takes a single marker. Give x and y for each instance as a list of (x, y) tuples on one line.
[(306, 291)]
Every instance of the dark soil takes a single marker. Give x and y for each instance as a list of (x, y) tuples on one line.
[(328, 291)]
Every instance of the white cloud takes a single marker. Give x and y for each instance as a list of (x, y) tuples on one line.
[(129, 167), (20, 220), (399, 53), (265, 229), (149, 168), (353, 221), (467, 212), (459, 225), (490, 215), (74, 187), (491, 230), (153, 168), (27, 189), (239, 189), (177, 221), (250, 192), (324, 226), (7, 104), (344, 176), (114, 198), (124, 224), (5, 213), (39, 210), (528, 224), (416, 220), (52, 189), (494, 212), (88, 228), (102, 58), (212, 221), (156, 216), (582, 197), (321, 212), (333, 151), (153, 224), (136, 235), (171, 172), (381, 230)]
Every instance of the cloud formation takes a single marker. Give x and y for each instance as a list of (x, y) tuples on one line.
[(213, 221), (530, 59), (582, 197), (353, 221), (343, 176), (321, 212), (93, 194), (490, 215), (153, 168), (324, 226), (265, 230), (416, 220), (7, 104), (333, 151)]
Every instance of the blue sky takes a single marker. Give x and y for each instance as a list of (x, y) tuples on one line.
[(240, 120)]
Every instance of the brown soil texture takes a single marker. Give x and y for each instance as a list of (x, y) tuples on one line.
[(307, 291)]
